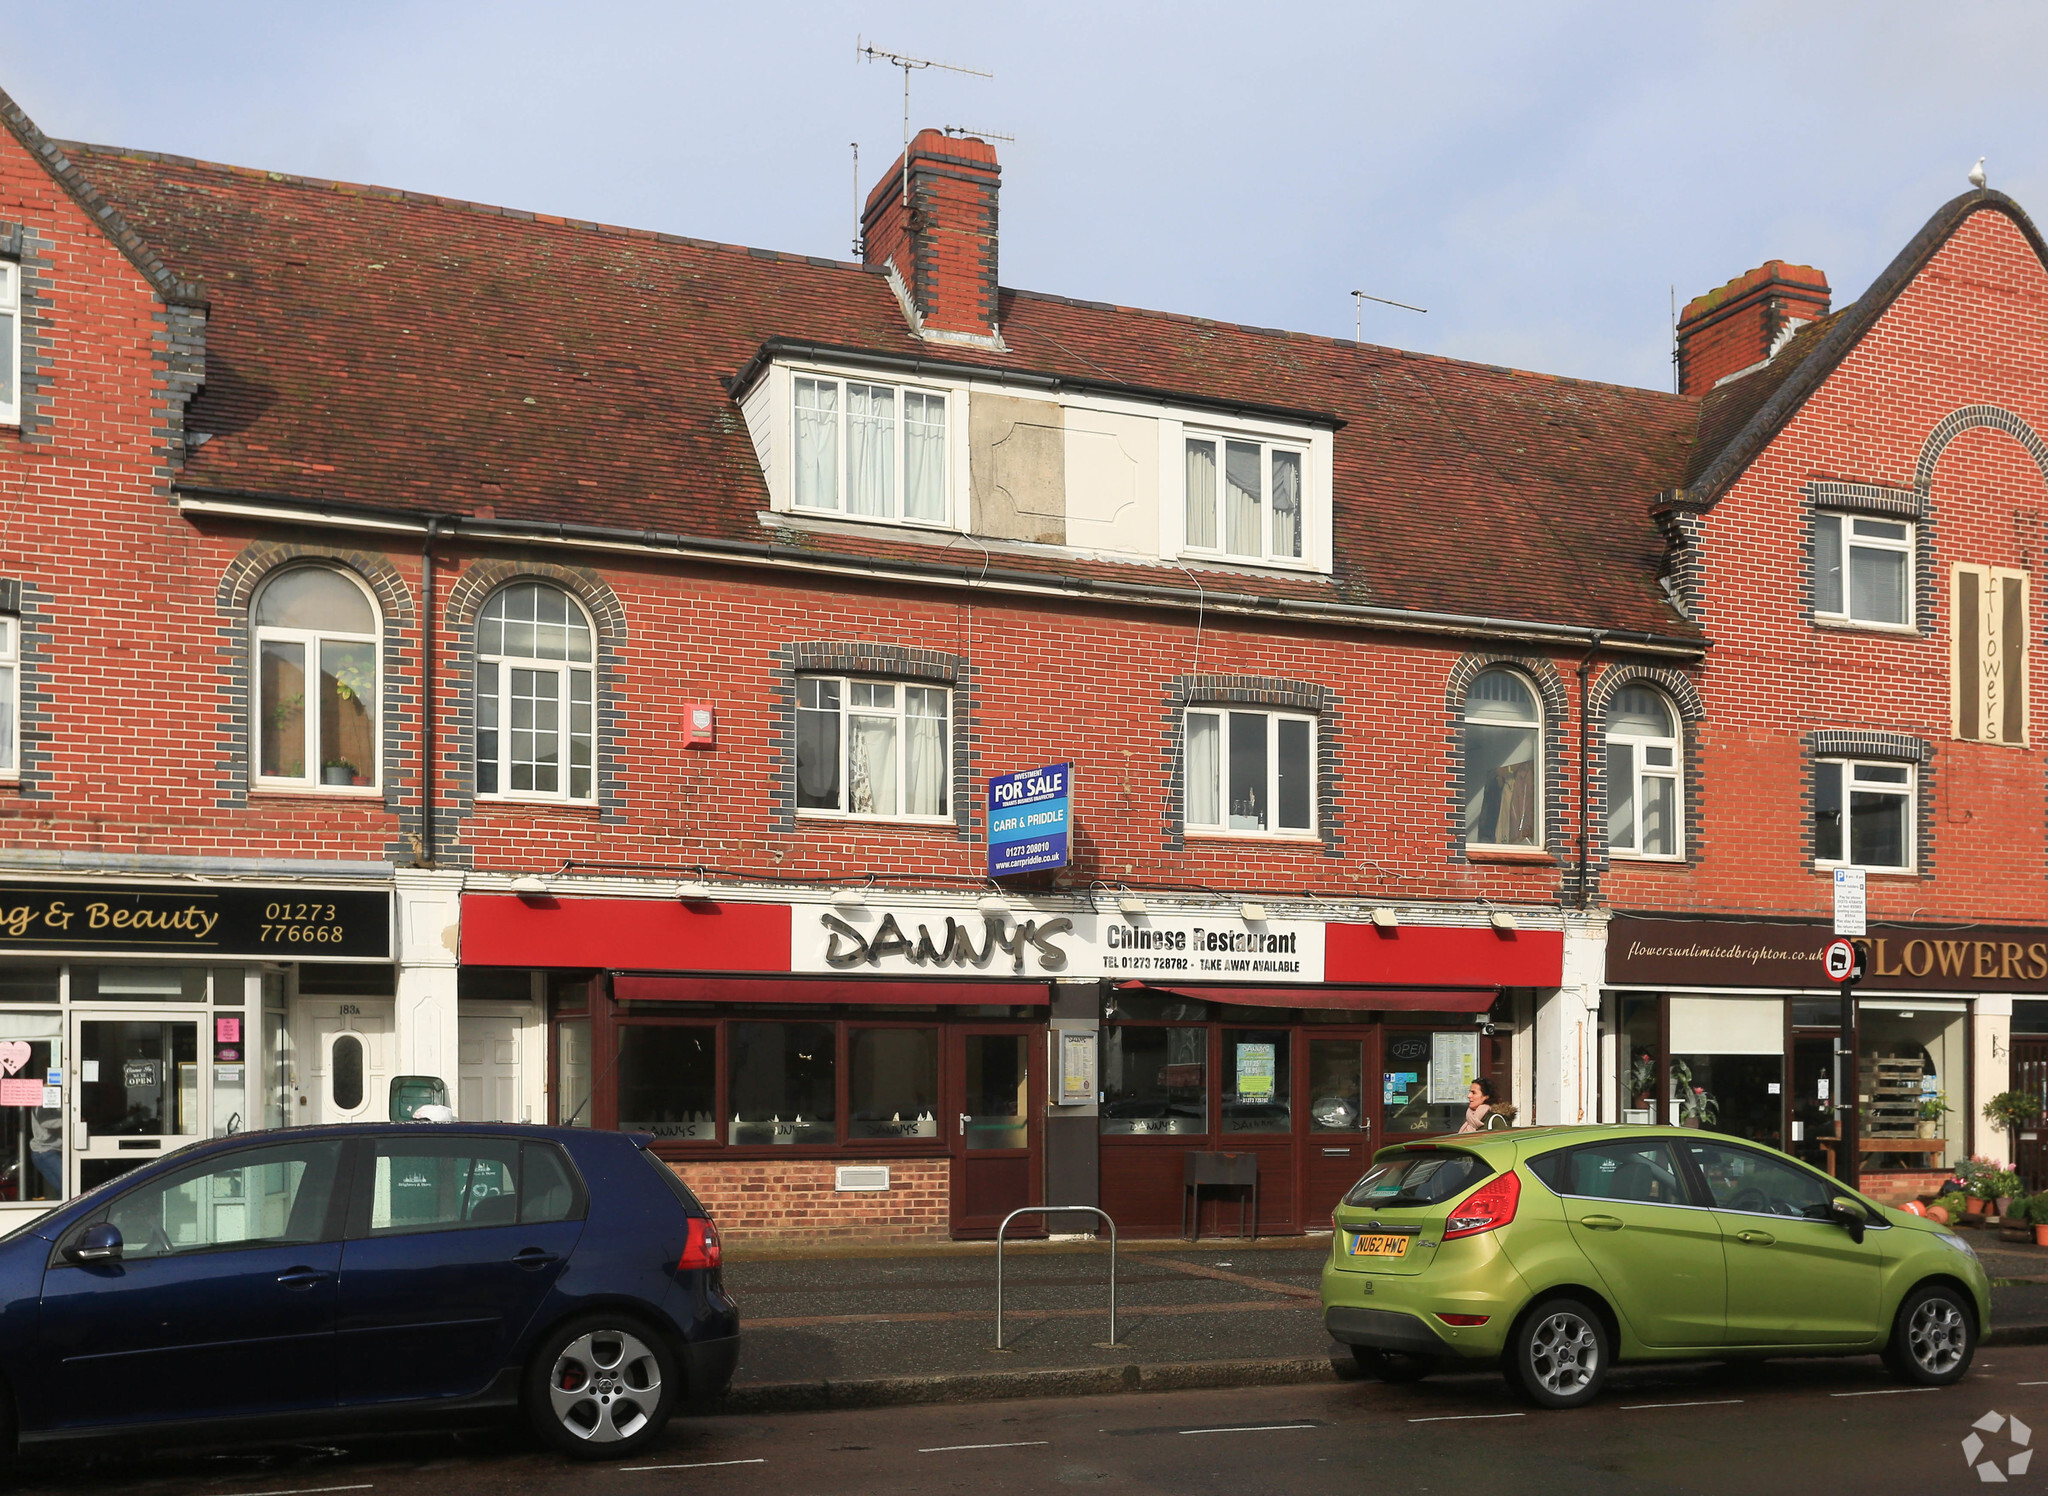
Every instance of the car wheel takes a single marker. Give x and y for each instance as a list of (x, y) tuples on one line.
[(601, 1387), (1391, 1366), (1934, 1337), (1558, 1355)]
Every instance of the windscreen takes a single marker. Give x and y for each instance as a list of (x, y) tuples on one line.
[(1417, 1179)]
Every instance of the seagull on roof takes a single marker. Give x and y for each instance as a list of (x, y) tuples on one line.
[(1977, 175)]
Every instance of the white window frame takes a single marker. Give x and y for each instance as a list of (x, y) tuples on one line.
[(1223, 712), (309, 640), (899, 711), (1987, 668), (1849, 542), (10, 697), (1909, 792), (10, 342), (565, 672), (1640, 770), (838, 509), (1539, 842), (1267, 445)]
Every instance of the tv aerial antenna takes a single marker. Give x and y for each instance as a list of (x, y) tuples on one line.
[(1358, 301), (909, 65)]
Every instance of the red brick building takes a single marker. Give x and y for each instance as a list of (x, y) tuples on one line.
[(570, 663)]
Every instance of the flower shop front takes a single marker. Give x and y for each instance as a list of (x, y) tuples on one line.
[(1731, 1026)]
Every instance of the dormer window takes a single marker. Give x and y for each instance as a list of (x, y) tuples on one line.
[(873, 451), (1244, 498)]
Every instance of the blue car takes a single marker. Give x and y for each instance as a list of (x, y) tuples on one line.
[(357, 1276)]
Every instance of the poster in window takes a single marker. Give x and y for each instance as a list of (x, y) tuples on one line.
[(1453, 1066), (1255, 1072)]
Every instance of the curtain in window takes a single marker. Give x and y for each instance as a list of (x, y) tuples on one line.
[(1241, 486), (817, 444), (1621, 795), (1500, 785), (1204, 769), (1287, 504), (1877, 584), (924, 763), (871, 772), (1660, 815), (817, 745), (6, 714), (1202, 495), (924, 456), (1827, 563), (870, 449)]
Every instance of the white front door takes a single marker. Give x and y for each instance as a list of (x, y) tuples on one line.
[(491, 1086), (345, 1049)]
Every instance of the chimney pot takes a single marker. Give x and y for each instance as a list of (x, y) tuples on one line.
[(942, 242), (1745, 322)]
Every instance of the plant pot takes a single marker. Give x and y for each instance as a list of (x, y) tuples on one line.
[(1927, 1129), (2004, 1203), (1977, 1209), (337, 774)]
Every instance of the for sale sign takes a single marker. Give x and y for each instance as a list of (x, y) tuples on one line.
[(1028, 815)]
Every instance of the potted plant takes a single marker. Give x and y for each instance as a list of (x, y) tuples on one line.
[(338, 771), (1932, 1109), (2016, 1222), (1948, 1208), (1697, 1106), (2009, 1111)]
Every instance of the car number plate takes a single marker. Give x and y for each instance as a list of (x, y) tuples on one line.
[(1379, 1246)]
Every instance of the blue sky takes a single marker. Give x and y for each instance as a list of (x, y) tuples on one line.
[(1537, 176)]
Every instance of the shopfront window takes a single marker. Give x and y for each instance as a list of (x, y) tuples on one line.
[(31, 1133), (1426, 1077), (1639, 1040), (892, 1082), (1909, 1083), (668, 1081), (1154, 1079), (1336, 1071), (139, 1079), (781, 1082), (1728, 1066), (1255, 1080)]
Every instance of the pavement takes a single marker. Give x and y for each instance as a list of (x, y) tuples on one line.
[(858, 1326)]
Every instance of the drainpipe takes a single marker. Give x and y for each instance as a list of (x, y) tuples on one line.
[(427, 789), (1585, 728)]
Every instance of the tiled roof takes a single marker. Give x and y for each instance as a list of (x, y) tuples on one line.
[(397, 351), (1727, 410)]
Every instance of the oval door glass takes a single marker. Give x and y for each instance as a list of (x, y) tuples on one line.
[(345, 1073)]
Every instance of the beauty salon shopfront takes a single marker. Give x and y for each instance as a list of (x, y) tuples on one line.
[(822, 1068), (136, 1017), (1731, 1026)]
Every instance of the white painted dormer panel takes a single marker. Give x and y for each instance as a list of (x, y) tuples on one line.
[(1018, 464)]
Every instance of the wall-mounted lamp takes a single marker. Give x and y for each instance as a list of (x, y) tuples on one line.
[(1384, 918), (1130, 904), (530, 886), (848, 898), (1503, 921), (694, 891), (993, 905), (1253, 913)]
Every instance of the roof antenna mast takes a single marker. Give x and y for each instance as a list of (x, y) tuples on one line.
[(856, 202), (909, 65), (1358, 301)]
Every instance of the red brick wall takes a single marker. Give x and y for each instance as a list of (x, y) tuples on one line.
[(793, 1199), (1732, 327), (1971, 330), (944, 242)]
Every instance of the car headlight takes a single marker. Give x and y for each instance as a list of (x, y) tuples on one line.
[(1950, 1239)]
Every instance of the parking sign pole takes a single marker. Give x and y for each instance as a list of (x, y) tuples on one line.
[(1848, 1092)]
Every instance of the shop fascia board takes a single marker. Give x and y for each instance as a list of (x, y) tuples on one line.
[(247, 505)]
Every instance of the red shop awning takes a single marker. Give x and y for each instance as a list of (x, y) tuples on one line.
[(643, 987), (1364, 999)]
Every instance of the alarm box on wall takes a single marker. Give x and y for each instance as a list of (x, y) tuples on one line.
[(700, 725)]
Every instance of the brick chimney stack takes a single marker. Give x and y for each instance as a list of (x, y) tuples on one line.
[(1744, 322), (943, 241)]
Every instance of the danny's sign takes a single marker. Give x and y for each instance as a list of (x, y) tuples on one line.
[(907, 940)]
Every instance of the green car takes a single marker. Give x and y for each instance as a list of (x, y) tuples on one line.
[(1558, 1251)]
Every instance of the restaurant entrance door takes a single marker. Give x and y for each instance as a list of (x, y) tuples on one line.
[(999, 1118), (1343, 1116)]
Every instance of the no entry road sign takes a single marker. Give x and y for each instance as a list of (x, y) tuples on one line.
[(1841, 960)]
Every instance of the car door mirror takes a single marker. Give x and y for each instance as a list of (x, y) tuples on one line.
[(97, 1243), (1850, 1216)]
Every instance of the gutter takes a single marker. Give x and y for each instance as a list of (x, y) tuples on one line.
[(244, 504)]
